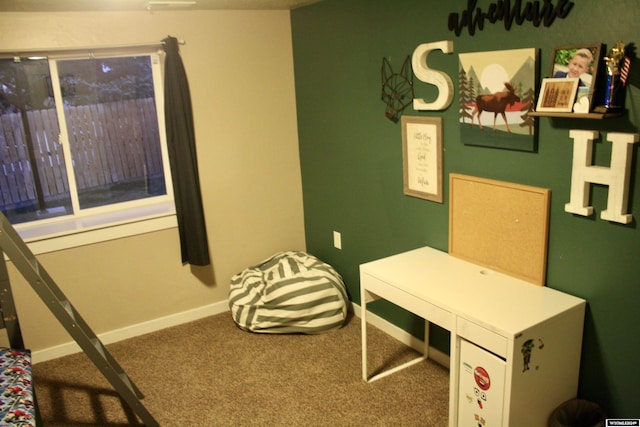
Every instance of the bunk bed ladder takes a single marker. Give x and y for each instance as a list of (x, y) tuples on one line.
[(27, 264)]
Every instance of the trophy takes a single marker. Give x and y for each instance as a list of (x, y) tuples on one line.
[(614, 86)]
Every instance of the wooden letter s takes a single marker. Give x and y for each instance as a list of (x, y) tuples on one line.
[(437, 78)]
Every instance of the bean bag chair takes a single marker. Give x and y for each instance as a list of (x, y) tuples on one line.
[(291, 292)]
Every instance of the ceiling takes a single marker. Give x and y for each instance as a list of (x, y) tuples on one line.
[(153, 5)]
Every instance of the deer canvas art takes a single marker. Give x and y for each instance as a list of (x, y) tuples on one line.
[(495, 103), (500, 84)]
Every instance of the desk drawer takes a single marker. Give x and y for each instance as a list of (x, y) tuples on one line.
[(404, 299), (482, 337)]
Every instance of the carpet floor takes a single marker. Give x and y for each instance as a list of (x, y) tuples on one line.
[(211, 373)]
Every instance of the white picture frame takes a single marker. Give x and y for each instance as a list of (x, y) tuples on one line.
[(422, 157)]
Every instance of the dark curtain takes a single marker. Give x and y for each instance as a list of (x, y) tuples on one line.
[(182, 158)]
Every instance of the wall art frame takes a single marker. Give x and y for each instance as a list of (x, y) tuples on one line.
[(582, 61), (497, 91), (422, 157), (558, 94)]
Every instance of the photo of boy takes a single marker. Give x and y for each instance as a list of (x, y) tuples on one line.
[(579, 65)]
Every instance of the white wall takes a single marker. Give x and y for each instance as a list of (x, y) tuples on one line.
[(240, 70)]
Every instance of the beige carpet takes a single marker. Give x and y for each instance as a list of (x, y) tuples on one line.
[(210, 373)]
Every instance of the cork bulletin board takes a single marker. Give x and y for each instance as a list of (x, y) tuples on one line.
[(500, 225)]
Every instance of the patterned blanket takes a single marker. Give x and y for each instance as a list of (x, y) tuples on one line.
[(17, 406)]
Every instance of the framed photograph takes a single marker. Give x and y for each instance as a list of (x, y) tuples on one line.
[(422, 157), (558, 94), (497, 91), (582, 62)]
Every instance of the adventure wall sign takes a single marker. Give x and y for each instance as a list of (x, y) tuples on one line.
[(536, 12)]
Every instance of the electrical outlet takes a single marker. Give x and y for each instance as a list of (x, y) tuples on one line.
[(337, 240)]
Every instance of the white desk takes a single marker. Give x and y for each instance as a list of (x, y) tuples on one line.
[(536, 332)]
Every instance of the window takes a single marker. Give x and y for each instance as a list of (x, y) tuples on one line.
[(82, 142)]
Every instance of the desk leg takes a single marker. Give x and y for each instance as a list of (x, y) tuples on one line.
[(454, 376), (363, 320), (369, 296), (425, 349)]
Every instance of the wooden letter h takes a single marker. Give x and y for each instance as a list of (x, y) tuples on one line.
[(616, 177)]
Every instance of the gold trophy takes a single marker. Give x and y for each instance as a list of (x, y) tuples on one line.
[(614, 88)]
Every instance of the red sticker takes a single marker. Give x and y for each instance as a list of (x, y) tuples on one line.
[(482, 378)]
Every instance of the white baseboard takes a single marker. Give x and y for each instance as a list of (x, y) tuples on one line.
[(216, 308), (403, 336), (134, 330)]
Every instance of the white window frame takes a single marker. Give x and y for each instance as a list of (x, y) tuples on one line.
[(89, 226)]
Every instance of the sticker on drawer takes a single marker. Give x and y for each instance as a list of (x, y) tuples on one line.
[(482, 378)]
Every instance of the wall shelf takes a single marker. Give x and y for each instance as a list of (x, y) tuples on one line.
[(596, 116)]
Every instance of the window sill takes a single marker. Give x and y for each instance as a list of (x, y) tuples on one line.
[(74, 232)]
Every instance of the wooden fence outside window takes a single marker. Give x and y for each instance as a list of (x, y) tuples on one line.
[(110, 143)]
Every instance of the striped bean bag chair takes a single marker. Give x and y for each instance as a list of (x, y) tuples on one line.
[(291, 292)]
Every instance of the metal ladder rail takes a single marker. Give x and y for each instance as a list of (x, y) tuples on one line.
[(24, 260), (8, 308)]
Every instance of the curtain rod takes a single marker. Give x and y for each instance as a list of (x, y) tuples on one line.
[(59, 50)]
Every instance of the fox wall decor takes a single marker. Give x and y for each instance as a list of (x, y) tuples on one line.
[(397, 88)]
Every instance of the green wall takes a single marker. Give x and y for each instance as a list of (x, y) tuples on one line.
[(352, 163)]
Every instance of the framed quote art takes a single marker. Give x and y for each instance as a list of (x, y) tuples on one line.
[(422, 157)]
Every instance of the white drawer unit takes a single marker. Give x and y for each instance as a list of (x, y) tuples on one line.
[(481, 387), (527, 338)]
